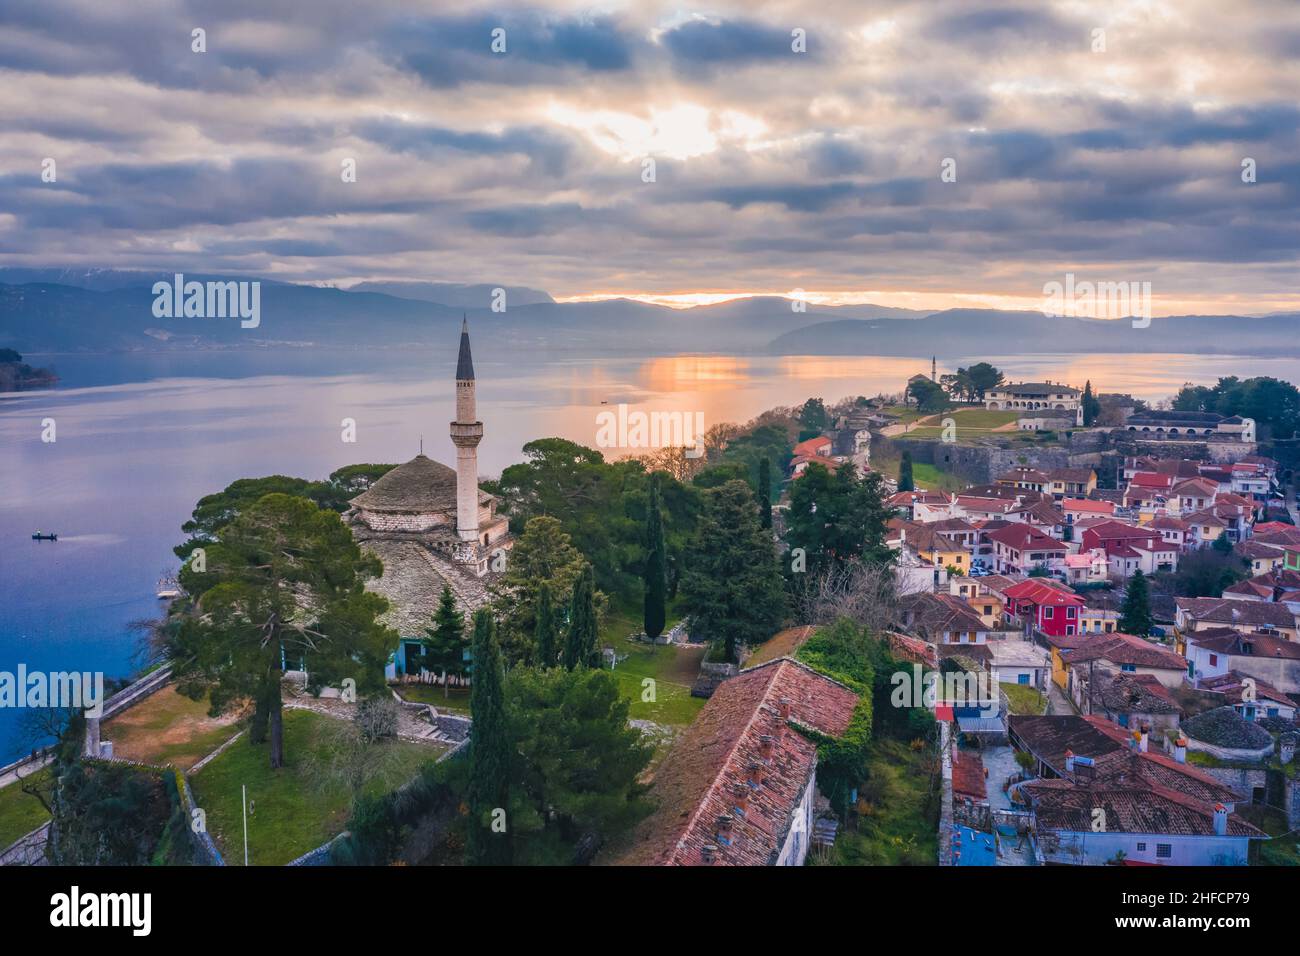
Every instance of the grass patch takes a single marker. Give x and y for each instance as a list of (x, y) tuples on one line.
[(20, 813), (457, 699), (292, 811), (169, 728), (1284, 849), (1024, 701), (897, 813)]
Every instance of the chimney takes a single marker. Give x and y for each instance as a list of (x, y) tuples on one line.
[(755, 774), (1069, 761), (708, 853), (740, 793), (1286, 748), (765, 746), (1180, 749), (1220, 820), (783, 708), (724, 829), (1144, 739)]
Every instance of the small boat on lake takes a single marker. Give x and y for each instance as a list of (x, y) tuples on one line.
[(44, 536)]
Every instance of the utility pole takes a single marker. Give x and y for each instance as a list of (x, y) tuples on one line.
[(244, 790)]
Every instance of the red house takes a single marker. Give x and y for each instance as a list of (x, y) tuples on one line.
[(1045, 604)]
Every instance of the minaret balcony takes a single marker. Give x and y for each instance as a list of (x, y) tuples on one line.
[(466, 433)]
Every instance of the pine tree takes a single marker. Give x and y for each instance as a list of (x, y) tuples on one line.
[(544, 638), (732, 588), (489, 751), (580, 643), (765, 492), (905, 482), (656, 567), (1135, 616), (444, 644)]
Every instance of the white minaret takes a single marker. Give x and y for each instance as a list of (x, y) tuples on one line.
[(466, 433)]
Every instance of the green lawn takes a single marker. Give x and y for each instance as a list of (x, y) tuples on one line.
[(1024, 701), (898, 819), (20, 813), (673, 670), (457, 698), (293, 812)]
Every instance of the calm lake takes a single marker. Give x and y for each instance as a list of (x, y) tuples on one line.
[(140, 438)]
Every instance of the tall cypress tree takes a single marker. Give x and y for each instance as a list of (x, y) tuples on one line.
[(1091, 407), (905, 482), (765, 492), (580, 642), (545, 633), (1135, 616), (656, 566), (489, 751)]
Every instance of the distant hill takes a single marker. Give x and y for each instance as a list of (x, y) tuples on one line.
[(454, 294), (957, 332), (113, 311)]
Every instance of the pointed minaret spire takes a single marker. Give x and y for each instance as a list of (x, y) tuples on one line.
[(934, 369), (465, 362), (466, 433)]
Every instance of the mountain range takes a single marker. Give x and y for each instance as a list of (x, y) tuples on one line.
[(100, 310)]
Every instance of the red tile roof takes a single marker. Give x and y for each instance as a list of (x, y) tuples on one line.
[(1044, 592), (710, 765), (1023, 537)]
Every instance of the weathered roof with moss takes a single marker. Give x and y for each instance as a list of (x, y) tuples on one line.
[(1224, 727)]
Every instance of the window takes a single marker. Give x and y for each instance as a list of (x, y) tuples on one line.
[(1214, 660), (1022, 678), (988, 608), (1142, 848), (1127, 668), (1047, 612), (1070, 612), (1164, 851)]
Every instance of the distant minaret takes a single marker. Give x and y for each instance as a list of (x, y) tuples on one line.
[(466, 433), (934, 370)]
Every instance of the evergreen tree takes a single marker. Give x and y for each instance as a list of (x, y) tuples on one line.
[(1135, 615), (838, 518), (1222, 544), (732, 588), (444, 643), (1091, 406), (489, 751), (544, 643), (284, 584), (656, 567), (905, 481), (765, 492), (580, 648)]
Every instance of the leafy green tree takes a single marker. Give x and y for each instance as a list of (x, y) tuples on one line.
[(929, 396), (813, 414), (577, 761), (837, 518), (580, 646), (1206, 573), (444, 643), (546, 635), (491, 751), (1222, 545), (732, 588), (656, 568), (984, 377), (1135, 614), (543, 554), (352, 480), (285, 582), (1091, 406), (765, 492), (905, 480)]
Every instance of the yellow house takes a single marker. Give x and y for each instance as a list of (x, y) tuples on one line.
[(1098, 621), (1065, 642), (935, 549), (979, 599), (1071, 483)]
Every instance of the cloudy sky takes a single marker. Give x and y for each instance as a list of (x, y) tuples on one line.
[(774, 170)]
